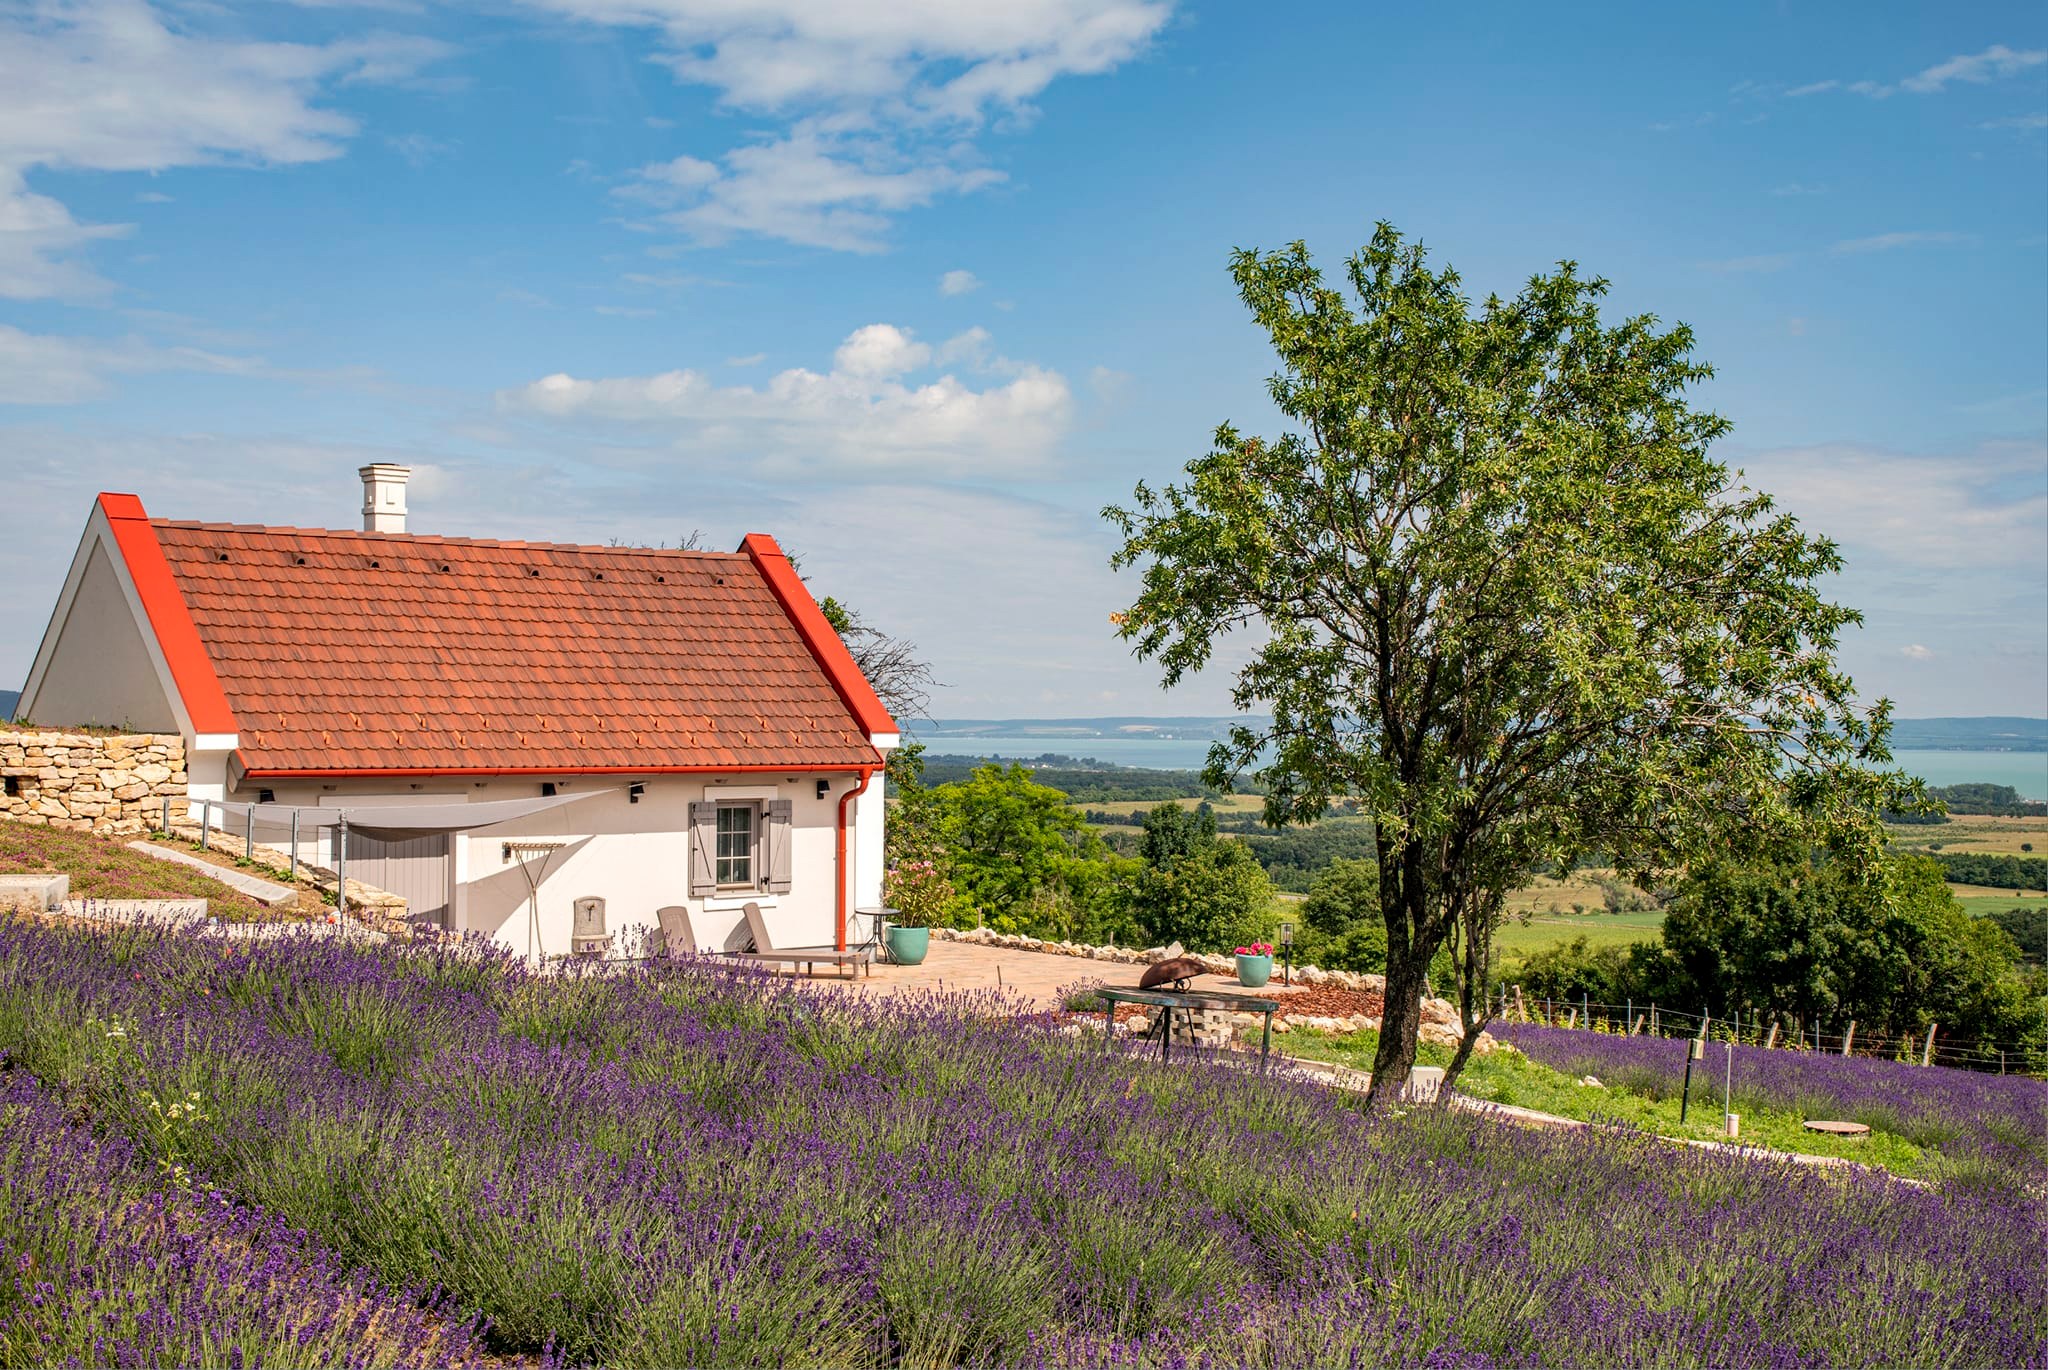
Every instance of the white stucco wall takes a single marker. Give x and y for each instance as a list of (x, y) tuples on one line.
[(634, 856)]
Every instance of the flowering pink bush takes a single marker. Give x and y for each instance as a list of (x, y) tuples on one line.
[(1256, 949), (919, 892)]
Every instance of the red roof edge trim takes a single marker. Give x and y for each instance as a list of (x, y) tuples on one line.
[(346, 773), (206, 704), (818, 634)]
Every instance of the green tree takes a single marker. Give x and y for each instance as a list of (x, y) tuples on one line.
[(1172, 832), (1210, 900), (1008, 836), (1506, 600), (1341, 927), (1887, 946)]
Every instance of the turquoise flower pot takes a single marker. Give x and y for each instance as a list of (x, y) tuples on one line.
[(1254, 971), (907, 946)]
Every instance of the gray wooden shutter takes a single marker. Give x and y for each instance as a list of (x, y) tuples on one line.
[(703, 849), (777, 839)]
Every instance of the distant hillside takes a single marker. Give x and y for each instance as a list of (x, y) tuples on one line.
[(8, 699), (1165, 729), (1909, 734), (1970, 735)]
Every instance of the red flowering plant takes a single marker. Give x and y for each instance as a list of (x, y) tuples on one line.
[(1256, 949)]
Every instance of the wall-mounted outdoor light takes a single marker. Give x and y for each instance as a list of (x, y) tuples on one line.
[(634, 791), (824, 788)]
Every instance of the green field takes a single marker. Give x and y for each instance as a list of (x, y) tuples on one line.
[(1229, 806), (1519, 939), (1975, 833)]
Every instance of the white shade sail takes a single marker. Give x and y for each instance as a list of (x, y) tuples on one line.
[(393, 822)]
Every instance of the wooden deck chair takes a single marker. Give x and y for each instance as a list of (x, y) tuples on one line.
[(855, 959), (677, 936)]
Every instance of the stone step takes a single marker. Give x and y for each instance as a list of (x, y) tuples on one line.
[(265, 892)]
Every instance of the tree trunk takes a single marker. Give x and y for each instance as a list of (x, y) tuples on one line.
[(1399, 1022)]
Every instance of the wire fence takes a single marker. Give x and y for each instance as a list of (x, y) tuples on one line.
[(1777, 1031)]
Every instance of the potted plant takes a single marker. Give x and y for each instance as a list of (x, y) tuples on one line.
[(1255, 964), (917, 894)]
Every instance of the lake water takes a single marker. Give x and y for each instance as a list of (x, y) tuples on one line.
[(2026, 772)]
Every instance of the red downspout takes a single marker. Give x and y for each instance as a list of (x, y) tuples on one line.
[(839, 857)]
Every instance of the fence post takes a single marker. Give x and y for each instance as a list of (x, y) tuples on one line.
[(295, 846), (1772, 1040), (1927, 1052), (166, 829), (1572, 1019), (249, 833), (1848, 1036), (1653, 1018), (1521, 1005), (205, 821)]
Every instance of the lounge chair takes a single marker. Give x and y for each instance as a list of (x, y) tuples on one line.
[(678, 938), (856, 959)]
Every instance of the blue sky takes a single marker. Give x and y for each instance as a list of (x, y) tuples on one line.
[(918, 287)]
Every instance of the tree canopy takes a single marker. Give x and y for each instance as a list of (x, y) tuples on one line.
[(1504, 598)]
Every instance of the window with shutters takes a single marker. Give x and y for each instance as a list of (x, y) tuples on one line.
[(738, 833)]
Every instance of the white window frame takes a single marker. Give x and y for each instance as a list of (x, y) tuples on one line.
[(755, 880)]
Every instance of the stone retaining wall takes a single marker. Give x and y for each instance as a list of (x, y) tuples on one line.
[(110, 785)]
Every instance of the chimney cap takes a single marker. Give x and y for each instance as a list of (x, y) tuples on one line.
[(384, 496)]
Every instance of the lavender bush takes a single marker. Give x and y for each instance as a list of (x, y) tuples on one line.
[(1986, 1128), (101, 1265), (684, 1165)]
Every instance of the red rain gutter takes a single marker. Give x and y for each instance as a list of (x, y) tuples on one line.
[(839, 871), (818, 634), (206, 704), (393, 772)]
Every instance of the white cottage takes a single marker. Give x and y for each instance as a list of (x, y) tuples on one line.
[(706, 738)]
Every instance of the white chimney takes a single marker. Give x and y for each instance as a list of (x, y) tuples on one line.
[(384, 496)]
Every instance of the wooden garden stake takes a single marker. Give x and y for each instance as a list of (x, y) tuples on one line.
[(1848, 1036), (1927, 1052), (1772, 1040)]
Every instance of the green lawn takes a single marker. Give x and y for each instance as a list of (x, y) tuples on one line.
[(105, 868), (1518, 939), (1508, 1077)]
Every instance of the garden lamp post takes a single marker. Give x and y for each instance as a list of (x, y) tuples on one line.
[(1287, 953)]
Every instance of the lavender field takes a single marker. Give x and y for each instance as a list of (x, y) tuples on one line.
[(1988, 1130), (685, 1166)]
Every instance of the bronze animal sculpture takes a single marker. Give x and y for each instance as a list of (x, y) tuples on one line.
[(1175, 971)]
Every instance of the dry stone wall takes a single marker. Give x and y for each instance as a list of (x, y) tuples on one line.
[(110, 785)]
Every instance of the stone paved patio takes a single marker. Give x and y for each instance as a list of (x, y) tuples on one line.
[(1037, 976)]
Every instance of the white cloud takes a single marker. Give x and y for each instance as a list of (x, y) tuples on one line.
[(111, 87), (1798, 188), (812, 187), (42, 369), (2017, 121), (1886, 242), (625, 311), (1923, 513), (751, 359), (863, 416), (418, 149), (871, 108), (1994, 63), (1915, 652), (958, 283)]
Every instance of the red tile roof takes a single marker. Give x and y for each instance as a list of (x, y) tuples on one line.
[(355, 653)]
